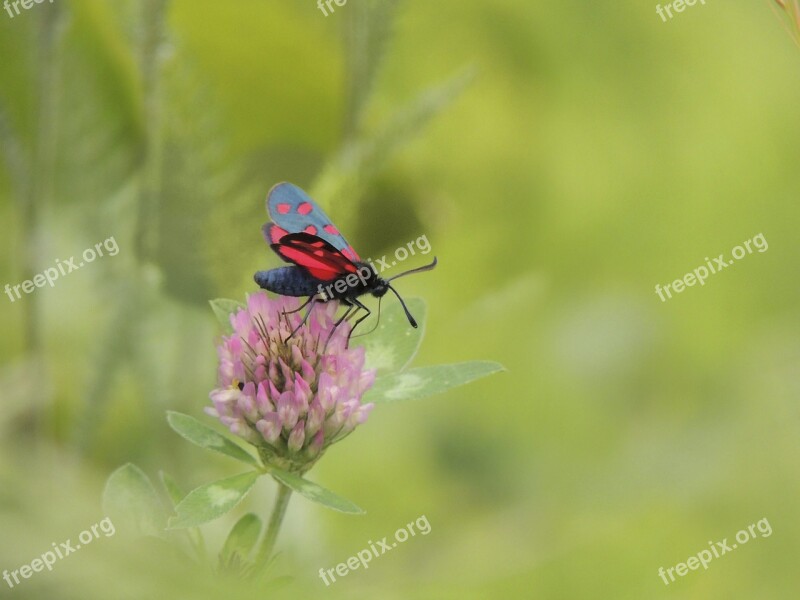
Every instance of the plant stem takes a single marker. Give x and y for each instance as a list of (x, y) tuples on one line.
[(44, 157), (116, 340), (151, 59), (38, 193), (275, 520)]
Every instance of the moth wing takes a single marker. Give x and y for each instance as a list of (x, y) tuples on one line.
[(318, 257), (293, 211)]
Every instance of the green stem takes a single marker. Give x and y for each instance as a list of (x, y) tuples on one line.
[(39, 192), (117, 337), (151, 59), (44, 156), (275, 521)]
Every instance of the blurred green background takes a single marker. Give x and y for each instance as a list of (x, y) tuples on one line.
[(561, 157)]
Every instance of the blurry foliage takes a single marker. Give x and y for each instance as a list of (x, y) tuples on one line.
[(599, 151), (142, 131)]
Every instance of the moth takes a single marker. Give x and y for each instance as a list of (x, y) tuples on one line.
[(324, 266)]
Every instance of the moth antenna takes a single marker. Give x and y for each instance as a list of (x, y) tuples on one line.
[(405, 308), (417, 270)]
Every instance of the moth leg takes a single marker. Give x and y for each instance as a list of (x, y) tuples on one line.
[(350, 308), (378, 322), (299, 308), (312, 301), (359, 306)]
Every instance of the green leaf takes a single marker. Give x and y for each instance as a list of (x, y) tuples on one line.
[(427, 381), (131, 502), (315, 492), (241, 540), (176, 494), (393, 345), (174, 491), (223, 309), (212, 500), (196, 432)]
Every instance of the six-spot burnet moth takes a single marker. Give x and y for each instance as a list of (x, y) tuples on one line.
[(325, 267)]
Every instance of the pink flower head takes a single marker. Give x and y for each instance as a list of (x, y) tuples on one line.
[(290, 399)]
